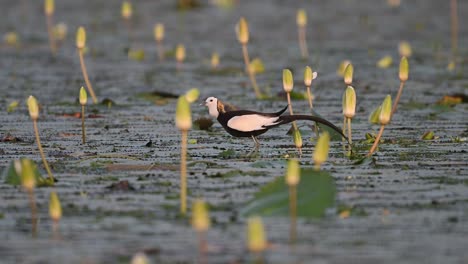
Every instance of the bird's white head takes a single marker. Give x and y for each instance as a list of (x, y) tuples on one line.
[(212, 104)]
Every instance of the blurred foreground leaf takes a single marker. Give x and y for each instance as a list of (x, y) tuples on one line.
[(315, 193), (12, 174)]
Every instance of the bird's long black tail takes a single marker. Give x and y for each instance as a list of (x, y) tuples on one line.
[(290, 118)]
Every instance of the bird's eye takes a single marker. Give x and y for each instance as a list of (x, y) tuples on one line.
[(211, 100)]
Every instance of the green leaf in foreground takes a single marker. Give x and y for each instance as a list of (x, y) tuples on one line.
[(12, 174), (315, 193)]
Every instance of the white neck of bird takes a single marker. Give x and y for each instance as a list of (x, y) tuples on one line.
[(213, 110)]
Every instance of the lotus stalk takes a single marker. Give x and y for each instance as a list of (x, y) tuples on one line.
[(49, 9), (403, 75), (201, 224), (293, 174), (80, 45), (55, 212), (83, 100), (301, 20), (384, 119), (256, 237), (349, 109), (180, 56), (28, 182), (127, 12), (454, 26), (159, 37)]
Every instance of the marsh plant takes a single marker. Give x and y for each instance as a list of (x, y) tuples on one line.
[(256, 237), (348, 74), (342, 67), (28, 182), (301, 20), (454, 26), (214, 61), (158, 32), (83, 100), (55, 212), (33, 108), (242, 30), (201, 224), (349, 110), (309, 76), (180, 56), (288, 84), (403, 74), (126, 11), (404, 49), (385, 116), (49, 9), (140, 258), (321, 150), (60, 31), (11, 39), (293, 174), (80, 45)]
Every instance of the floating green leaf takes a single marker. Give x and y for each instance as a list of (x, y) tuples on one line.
[(315, 193), (12, 174)]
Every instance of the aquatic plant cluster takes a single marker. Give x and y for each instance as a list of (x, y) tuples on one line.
[(289, 196)]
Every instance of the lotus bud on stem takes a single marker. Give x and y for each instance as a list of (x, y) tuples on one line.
[(288, 84), (384, 119), (28, 182), (256, 237), (321, 150), (140, 258), (309, 76), (405, 50), (293, 174), (159, 37), (201, 224), (34, 114), (60, 33), (242, 30), (183, 120), (301, 20), (298, 140), (127, 12), (83, 101), (55, 212), (214, 61), (403, 75), (80, 45), (349, 109), (180, 56), (348, 74), (49, 9)]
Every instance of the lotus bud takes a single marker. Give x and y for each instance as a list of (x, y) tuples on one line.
[(385, 62), (33, 107), (341, 68), (180, 53), (183, 115), (374, 116), (11, 39), (308, 76), (28, 179), (215, 60), (55, 209), (49, 7), (321, 148), (386, 112), (60, 31), (348, 74), (140, 258), (126, 10), (81, 38), (159, 32), (301, 18), (200, 217), (83, 96), (404, 69), (349, 102), (297, 138), (288, 82), (242, 30), (192, 95), (293, 173), (256, 238), (404, 48)]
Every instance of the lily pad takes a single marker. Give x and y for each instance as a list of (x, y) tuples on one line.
[(12, 174), (315, 193)]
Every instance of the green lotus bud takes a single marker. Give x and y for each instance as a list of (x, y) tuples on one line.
[(200, 217), (159, 32), (28, 179), (192, 95), (55, 209), (256, 238), (341, 68), (81, 38), (349, 102), (49, 7), (288, 82), (257, 66), (404, 69), (180, 53), (215, 60), (301, 18), (404, 48), (11, 39), (83, 96), (242, 30), (348, 74), (293, 173), (386, 111), (140, 258), (126, 10), (374, 116), (321, 148), (183, 114), (385, 62), (60, 31), (33, 107), (297, 138)]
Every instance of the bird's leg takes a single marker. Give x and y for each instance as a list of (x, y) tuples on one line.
[(257, 144)]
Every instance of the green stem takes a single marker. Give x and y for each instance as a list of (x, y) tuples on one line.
[(376, 142), (52, 43), (251, 74), (85, 76), (292, 213), (32, 203), (83, 131), (397, 99), (183, 173), (41, 151)]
